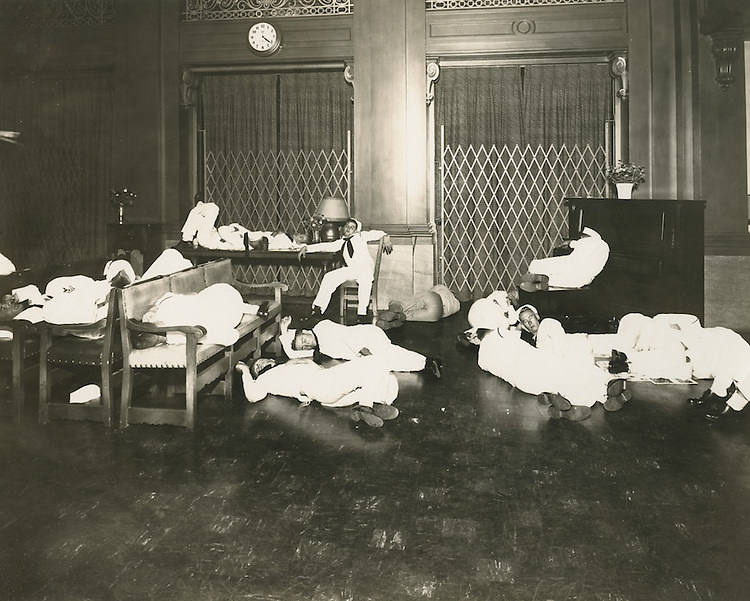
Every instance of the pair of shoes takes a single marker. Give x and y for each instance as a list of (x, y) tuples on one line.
[(617, 395), (434, 367), (263, 309), (532, 282), (711, 398), (719, 411), (551, 399), (576, 413), (385, 412), (366, 415)]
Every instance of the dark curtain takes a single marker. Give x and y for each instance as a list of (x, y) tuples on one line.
[(566, 104), (270, 112), (520, 105), (55, 184), (315, 111), (480, 105), (240, 113)]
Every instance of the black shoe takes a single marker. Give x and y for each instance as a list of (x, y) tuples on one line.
[(434, 367), (363, 319), (719, 411), (315, 316), (709, 398), (263, 309)]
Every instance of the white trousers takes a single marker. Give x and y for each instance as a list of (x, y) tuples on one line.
[(333, 279), (364, 381), (535, 371)]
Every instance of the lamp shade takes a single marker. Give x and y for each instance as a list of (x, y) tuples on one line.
[(333, 209)]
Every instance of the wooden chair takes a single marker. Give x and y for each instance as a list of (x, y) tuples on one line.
[(348, 290), (64, 346)]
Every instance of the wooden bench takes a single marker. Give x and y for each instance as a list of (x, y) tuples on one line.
[(202, 364)]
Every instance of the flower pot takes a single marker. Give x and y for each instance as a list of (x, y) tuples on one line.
[(624, 191)]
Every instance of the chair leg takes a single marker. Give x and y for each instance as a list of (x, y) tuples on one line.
[(106, 395), (190, 397), (17, 376), (125, 394), (44, 384)]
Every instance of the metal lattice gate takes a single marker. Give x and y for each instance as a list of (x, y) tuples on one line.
[(502, 206), (272, 191)]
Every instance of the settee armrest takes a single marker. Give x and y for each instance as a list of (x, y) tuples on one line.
[(140, 326), (247, 287)]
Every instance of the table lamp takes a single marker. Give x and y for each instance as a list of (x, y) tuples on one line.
[(335, 212)]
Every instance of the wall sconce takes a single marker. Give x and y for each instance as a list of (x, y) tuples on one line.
[(335, 212)]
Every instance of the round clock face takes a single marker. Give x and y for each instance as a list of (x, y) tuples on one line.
[(264, 38)]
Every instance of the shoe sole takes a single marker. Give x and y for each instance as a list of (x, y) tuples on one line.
[(368, 418), (385, 412)]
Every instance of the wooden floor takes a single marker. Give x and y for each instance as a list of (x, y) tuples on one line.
[(469, 494)]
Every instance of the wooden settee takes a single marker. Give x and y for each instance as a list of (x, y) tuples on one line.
[(202, 364)]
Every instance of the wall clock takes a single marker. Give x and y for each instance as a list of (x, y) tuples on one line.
[(264, 38)]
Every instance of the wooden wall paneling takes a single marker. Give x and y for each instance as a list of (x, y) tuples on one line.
[(557, 29), (304, 39)]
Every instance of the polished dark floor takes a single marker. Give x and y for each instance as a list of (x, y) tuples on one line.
[(469, 494)]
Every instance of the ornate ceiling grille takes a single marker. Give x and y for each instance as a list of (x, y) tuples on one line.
[(458, 4), (225, 10)]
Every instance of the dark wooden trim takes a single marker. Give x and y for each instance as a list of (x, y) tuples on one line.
[(727, 244), (304, 39), (586, 28)]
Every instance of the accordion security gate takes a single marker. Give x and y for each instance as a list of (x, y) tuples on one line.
[(274, 191), (501, 207)]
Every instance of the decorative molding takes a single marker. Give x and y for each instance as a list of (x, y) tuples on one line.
[(349, 76), (463, 4), (433, 73), (618, 68), (228, 10), (189, 84), (523, 27), (725, 49), (727, 244)]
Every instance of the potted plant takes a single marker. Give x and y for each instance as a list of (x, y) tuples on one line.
[(625, 177), (314, 224)]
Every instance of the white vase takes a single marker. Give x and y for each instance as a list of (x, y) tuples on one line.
[(624, 191)]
